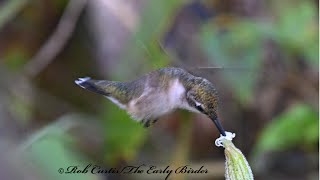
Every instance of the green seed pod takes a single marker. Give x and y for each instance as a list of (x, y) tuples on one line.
[(236, 165)]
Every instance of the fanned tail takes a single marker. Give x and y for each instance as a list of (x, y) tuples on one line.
[(91, 85)]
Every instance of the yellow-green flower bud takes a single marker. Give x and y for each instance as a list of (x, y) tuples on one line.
[(236, 165)]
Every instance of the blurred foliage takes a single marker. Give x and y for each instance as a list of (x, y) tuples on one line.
[(21, 108), (238, 43), (296, 31), (155, 19), (239, 47), (52, 148), (145, 45), (16, 58), (298, 126), (9, 9), (123, 137)]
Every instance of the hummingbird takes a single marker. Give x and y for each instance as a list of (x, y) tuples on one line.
[(158, 93)]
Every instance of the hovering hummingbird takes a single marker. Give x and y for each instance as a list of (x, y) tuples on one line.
[(158, 93)]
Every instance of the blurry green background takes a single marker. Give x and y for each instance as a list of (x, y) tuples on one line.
[(267, 78)]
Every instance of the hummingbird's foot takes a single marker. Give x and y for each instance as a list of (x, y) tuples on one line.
[(147, 123)]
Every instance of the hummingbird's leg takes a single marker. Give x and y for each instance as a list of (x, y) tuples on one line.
[(148, 122), (154, 121), (145, 123)]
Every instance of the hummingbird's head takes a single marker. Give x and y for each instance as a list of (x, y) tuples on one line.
[(204, 98)]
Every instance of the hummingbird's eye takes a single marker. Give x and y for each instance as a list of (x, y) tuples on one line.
[(199, 107)]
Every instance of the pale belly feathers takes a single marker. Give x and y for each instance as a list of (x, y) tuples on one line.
[(154, 103)]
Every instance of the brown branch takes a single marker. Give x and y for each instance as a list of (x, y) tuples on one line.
[(57, 40)]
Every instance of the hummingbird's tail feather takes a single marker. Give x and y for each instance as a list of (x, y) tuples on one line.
[(80, 81), (90, 85)]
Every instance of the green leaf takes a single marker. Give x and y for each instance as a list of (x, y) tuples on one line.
[(299, 126)]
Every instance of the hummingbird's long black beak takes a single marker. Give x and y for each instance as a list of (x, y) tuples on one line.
[(219, 126)]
